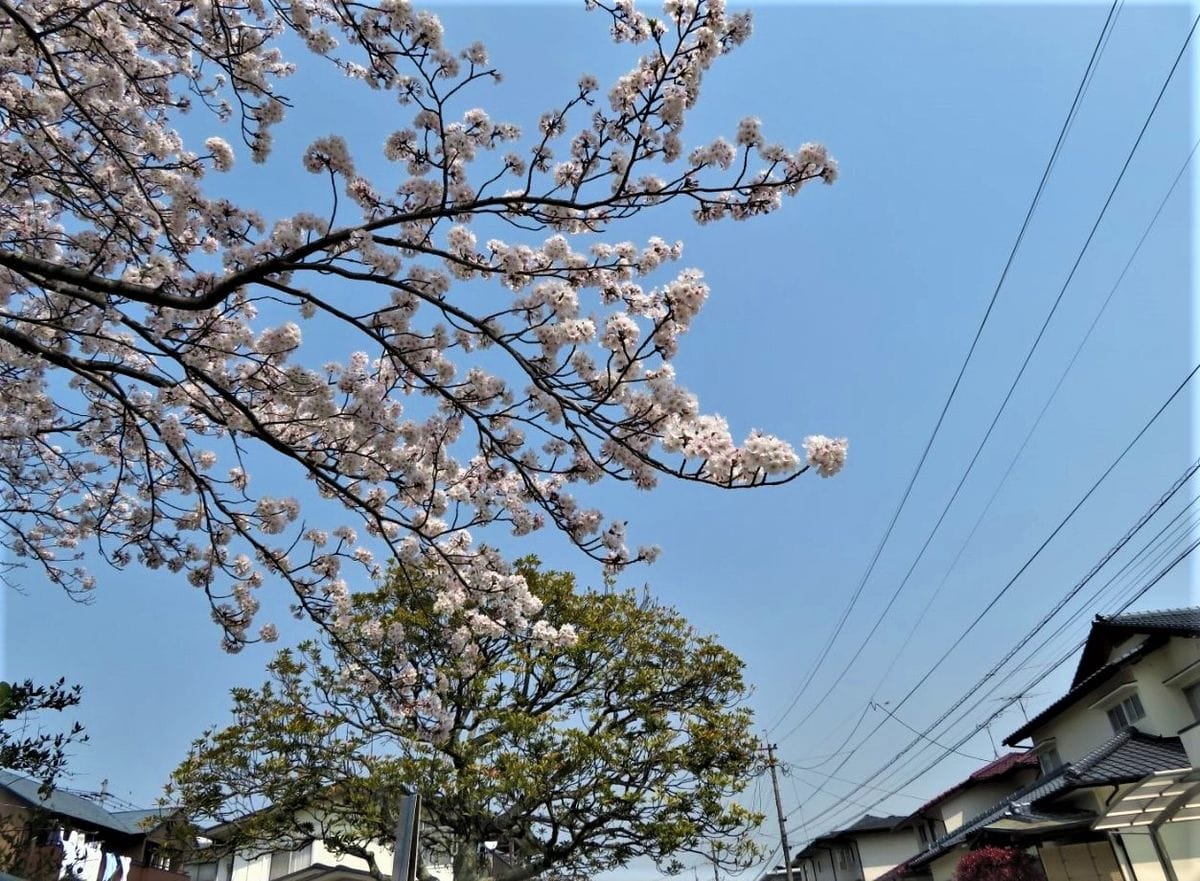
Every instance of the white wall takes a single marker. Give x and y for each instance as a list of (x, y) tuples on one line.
[(1080, 729), (1093, 860), (1181, 841), (976, 799), (258, 868), (883, 851), (1167, 710), (255, 869), (824, 865), (1143, 858), (943, 867)]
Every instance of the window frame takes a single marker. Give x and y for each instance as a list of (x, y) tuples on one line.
[(1121, 714)]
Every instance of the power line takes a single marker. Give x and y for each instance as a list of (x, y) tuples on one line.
[(824, 653), (791, 773), (923, 735), (1041, 676), (1074, 591), (1146, 550), (1042, 413), (879, 619), (1030, 560)]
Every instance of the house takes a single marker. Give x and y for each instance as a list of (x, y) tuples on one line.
[(82, 839), (948, 811), (862, 851), (306, 854), (302, 856), (1118, 793)]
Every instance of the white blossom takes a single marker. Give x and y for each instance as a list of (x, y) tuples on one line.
[(826, 454), (439, 384)]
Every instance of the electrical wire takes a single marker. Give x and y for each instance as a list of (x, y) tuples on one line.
[(1041, 676), (1147, 549), (882, 615), (824, 653), (1157, 506)]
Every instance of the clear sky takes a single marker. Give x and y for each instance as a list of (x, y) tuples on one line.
[(848, 313)]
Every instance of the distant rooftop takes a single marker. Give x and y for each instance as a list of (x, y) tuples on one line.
[(1007, 764), (84, 810)]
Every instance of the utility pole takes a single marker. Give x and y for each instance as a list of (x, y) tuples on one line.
[(408, 836), (787, 851)]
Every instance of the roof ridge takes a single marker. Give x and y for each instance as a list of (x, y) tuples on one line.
[(1166, 611)]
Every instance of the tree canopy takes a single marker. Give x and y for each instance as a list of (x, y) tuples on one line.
[(25, 746), (575, 753), (160, 398), (29, 749)]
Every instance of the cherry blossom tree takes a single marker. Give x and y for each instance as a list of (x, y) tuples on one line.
[(151, 331)]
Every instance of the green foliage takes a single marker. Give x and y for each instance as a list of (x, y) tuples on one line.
[(41, 755), (630, 742)]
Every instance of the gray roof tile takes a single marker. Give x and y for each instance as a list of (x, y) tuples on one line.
[(1174, 620), (1127, 756), (77, 807)]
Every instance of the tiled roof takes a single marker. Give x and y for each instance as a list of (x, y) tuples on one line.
[(1107, 633), (144, 820), (1006, 764), (1175, 620), (79, 808), (1127, 756), (1080, 689), (871, 823)]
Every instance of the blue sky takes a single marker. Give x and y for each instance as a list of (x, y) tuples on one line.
[(847, 313)]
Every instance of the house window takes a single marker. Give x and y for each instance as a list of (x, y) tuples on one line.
[(1192, 693), (284, 862), (204, 872), (1049, 759), (1126, 712), (157, 858)]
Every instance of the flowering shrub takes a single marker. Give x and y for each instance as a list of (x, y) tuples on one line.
[(998, 864), (153, 336)]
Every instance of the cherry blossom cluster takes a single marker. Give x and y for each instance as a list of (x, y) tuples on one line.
[(158, 398)]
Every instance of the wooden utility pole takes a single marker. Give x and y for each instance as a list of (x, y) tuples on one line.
[(787, 851)]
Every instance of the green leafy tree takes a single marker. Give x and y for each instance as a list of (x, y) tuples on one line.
[(26, 748), (40, 755), (608, 730)]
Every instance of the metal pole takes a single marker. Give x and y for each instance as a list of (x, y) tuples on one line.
[(408, 826)]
